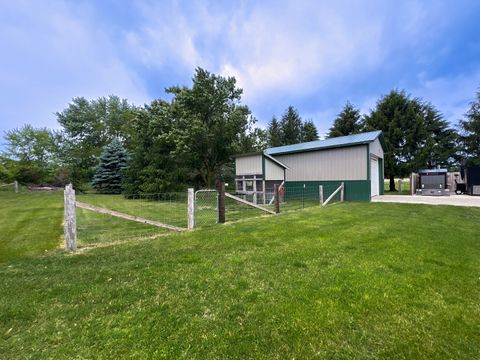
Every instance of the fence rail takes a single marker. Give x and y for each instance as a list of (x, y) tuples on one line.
[(149, 215)]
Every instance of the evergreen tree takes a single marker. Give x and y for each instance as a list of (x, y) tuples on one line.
[(470, 133), (438, 144), (274, 133), (416, 135), (108, 173), (347, 122), (291, 127), (309, 131)]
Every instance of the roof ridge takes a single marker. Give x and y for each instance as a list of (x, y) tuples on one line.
[(365, 137)]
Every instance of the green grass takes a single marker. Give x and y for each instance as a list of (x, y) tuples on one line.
[(172, 210), (350, 281), (405, 188), (30, 223), (98, 229)]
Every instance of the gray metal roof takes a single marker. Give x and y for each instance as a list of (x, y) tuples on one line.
[(341, 141)]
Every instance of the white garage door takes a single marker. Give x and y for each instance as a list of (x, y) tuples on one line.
[(374, 177)]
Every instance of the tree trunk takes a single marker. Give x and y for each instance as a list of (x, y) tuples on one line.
[(210, 178), (392, 183)]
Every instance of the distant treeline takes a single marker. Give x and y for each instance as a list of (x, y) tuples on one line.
[(189, 140)]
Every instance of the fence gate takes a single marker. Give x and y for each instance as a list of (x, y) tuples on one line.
[(206, 207)]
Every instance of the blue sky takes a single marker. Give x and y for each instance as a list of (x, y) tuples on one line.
[(314, 55)]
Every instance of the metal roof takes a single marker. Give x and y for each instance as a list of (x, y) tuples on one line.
[(341, 141)]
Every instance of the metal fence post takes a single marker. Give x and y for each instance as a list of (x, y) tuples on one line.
[(191, 208), (320, 189), (221, 201), (342, 192), (15, 186), (276, 201), (70, 219)]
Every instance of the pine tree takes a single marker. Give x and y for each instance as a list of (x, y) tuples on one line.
[(274, 133), (347, 122), (470, 133), (108, 173), (309, 131), (291, 125)]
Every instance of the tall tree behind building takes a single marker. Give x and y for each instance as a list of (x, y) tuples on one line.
[(470, 133), (415, 133), (274, 133), (309, 131), (291, 127), (347, 122)]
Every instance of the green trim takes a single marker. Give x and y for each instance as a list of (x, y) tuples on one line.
[(381, 177), (355, 190), (263, 166), (368, 162)]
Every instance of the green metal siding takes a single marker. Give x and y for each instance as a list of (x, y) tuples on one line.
[(355, 190)]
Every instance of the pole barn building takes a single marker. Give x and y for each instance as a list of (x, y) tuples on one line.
[(356, 160)]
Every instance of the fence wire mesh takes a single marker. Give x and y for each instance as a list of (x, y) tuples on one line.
[(206, 208), (95, 228), (301, 197), (237, 210)]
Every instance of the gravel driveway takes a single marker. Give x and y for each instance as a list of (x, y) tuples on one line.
[(455, 200)]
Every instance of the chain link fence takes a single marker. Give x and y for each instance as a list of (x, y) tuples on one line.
[(206, 208)]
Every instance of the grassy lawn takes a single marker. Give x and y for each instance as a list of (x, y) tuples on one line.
[(30, 223), (98, 229), (171, 210), (354, 280), (405, 188)]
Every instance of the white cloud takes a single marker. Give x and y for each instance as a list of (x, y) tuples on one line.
[(52, 52)]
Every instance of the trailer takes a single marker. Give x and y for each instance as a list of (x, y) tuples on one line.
[(433, 182), (471, 176)]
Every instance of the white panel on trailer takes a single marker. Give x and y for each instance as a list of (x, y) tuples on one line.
[(375, 185)]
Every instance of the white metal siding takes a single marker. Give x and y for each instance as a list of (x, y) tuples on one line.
[(347, 163), (248, 165), (376, 148), (273, 171)]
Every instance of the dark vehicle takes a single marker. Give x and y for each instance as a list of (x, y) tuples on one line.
[(433, 182), (471, 176)]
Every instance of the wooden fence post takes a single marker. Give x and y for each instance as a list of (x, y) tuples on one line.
[(342, 192), (15, 186), (221, 201), (70, 219), (320, 190), (191, 209), (276, 199)]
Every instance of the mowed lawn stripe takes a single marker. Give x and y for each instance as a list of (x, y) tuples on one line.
[(352, 280), (30, 223)]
